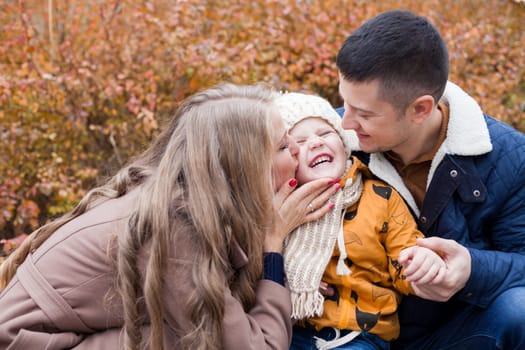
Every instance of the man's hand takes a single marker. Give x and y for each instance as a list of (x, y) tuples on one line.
[(458, 267)]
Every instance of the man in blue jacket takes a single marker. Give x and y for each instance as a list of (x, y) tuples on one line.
[(461, 171)]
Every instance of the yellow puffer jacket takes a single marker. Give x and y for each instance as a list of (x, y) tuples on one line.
[(376, 229)]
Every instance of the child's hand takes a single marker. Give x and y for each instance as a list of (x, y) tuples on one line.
[(422, 265), (458, 268), (326, 289)]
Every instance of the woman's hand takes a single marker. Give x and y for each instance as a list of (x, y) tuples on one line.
[(295, 206)]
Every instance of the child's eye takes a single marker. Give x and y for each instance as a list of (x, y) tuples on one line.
[(327, 133), (300, 141), (284, 146)]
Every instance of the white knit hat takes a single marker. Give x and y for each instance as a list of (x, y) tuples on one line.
[(296, 106)]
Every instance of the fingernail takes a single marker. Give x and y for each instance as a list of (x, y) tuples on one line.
[(332, 205), (331, 182), (337, 186), (292, 182)]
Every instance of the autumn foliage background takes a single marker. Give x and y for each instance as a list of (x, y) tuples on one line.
[(84, 85)]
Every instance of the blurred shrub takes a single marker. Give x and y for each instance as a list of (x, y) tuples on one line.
[(85, 84)]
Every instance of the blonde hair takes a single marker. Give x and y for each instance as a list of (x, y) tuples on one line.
[(212, 166)]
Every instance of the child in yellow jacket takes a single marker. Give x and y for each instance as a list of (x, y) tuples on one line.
[(354, 248)]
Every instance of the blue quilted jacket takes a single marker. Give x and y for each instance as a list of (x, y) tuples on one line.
[(476, 196)]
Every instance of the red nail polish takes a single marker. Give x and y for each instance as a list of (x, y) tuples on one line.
[(292, 182), (332, 205), (331, 182)]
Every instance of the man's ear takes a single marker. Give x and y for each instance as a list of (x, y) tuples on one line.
[(421, 108)]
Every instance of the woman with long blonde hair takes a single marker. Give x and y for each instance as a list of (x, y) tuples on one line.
[(180, 249)]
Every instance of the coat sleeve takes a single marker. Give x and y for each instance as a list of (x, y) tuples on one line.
[(111, 339), (108, 339), (402, 233), (266, 326), (26, 339), (31, 308), (499, 264), (23, 324)]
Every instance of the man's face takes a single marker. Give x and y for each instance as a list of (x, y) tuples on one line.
[(378, 124)]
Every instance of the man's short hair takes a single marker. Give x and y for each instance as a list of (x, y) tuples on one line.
[(404, 52)]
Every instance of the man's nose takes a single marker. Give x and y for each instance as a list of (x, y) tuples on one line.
[(349, 121)]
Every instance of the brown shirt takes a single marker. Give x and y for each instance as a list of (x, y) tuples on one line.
[(415, 174)]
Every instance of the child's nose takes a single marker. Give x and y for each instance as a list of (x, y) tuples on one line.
[(315, 142)]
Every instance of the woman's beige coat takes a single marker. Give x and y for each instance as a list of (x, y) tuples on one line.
[(63, 295)]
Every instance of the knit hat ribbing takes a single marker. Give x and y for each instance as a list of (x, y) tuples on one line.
[(296, 106)]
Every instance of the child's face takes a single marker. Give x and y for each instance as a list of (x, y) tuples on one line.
[(321, 150)]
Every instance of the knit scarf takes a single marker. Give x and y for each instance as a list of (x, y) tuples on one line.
[(308, 249)]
